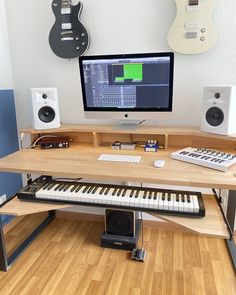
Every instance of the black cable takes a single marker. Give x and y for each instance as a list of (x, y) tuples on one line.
[(142, 228)]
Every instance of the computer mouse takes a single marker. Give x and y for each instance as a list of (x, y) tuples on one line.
[(159, 163)]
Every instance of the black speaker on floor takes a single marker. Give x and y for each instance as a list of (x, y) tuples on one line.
[(121, 229)]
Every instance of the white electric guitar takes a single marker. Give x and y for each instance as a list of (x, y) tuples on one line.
[(193, 31)]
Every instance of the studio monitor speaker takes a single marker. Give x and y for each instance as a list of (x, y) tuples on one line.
[(219, 110), (122, 229), (45, 108)]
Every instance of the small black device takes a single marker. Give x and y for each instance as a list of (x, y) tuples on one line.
[(121, 229), (54, 143)]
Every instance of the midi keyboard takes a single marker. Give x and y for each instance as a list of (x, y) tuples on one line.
[(161, 201), (206, 157)]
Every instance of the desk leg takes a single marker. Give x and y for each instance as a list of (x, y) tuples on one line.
[(6, 262), (3, 254), (231, 209)]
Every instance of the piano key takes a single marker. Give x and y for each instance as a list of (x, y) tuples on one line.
[(185, 203), (195, 203)]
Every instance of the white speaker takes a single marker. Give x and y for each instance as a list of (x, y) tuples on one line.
[(45, 108), (219, 110)]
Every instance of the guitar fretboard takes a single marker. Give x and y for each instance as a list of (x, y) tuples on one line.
[(193, 2)]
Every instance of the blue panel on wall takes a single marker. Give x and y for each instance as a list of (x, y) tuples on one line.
[(10, 183)]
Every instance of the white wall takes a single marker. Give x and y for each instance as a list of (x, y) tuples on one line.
[(5, 67), (116, 27)]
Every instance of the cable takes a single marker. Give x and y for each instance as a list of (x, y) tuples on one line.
[(142, 228), (21, 139), (44, 136), (141, 122)]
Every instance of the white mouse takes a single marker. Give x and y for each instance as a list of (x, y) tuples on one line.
[(159, 163)]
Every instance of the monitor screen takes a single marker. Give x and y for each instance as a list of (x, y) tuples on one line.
[(127, 83)]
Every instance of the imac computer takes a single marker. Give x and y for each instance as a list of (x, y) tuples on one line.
[(127, 87)]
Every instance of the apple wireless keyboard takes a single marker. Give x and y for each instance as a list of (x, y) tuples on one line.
[(119, 158)]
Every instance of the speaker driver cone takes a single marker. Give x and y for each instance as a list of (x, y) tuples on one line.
[(214, 116), (119, 223), (46, 114)]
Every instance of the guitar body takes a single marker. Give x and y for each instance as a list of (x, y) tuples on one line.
[(68, 38), (193, 30)]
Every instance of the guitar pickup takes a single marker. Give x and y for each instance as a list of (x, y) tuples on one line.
[(66, 10), (191, 35), (192, 8), (66, 26), (66, 32), (192, 26), (67, 36)]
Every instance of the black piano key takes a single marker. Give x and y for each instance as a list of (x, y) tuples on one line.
[(115, 191), (145, 195), (57, 186), (177, 197), (46, 186), (169, 197), (90, 189), (66, 187), (95, 189), (163, 197), (131, 194), (149, 195), (188, 198), (102, 190), (119, 192), (182, 198), (73, 188), (124, 192), (107, 191), (155, 195), (78, 188), (85, 189), (137, 194), (61, 187), (50, 186)]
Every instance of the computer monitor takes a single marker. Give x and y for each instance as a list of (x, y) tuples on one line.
[(127, 86)]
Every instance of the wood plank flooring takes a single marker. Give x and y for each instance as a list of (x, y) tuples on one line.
[(67, 259)]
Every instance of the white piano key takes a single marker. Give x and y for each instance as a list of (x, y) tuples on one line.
[(166, 203), (195, 203), (171, 202), (176, 204), (185, 203)]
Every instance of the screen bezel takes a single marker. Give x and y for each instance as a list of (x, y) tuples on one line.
[(128, 110)]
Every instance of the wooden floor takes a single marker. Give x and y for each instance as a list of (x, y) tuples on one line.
[(67, 259)]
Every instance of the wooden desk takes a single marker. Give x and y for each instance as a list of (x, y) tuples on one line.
[(80, 160)]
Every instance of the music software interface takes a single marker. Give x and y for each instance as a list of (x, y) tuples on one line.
[(127, 83)]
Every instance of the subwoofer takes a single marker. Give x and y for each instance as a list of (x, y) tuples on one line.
[(219, 110), (45, 108), (121, 229)]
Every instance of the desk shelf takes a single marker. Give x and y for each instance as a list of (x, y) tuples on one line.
[(211, 225), (167, 136)]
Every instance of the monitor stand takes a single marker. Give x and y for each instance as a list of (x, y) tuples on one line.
[(127, 125)]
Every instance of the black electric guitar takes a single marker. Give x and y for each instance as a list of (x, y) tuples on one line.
[(68, 38)]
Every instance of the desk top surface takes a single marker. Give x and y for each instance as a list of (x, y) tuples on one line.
[(81, 161)]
